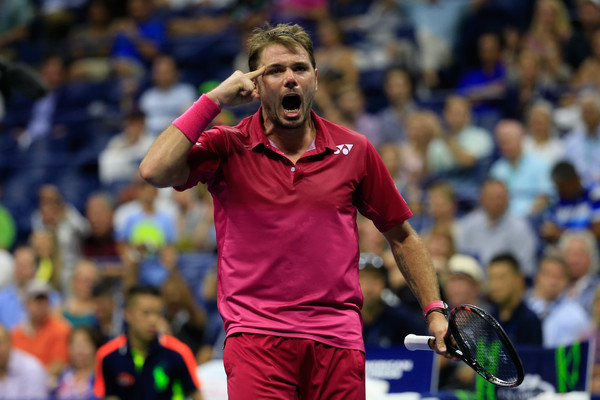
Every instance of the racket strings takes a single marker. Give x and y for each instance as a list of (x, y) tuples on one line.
[(481, 340)]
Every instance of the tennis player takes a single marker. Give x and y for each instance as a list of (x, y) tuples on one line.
[(287, 185)]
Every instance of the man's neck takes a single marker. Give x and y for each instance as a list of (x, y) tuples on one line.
[(138, 344), (507, 309), (292, 142)]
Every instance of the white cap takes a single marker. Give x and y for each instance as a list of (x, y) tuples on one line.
[(467, 265)]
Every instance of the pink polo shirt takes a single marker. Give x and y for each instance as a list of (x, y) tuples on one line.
[(286, 234)]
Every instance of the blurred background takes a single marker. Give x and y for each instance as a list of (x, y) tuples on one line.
[(486, 112)]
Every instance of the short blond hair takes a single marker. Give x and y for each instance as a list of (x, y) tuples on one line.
[(288, 35)]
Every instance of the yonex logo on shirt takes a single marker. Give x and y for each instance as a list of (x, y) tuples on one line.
[(344, 149)]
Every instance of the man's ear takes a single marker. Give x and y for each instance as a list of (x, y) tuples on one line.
[(316, 79)]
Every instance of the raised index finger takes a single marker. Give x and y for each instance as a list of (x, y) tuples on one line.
[(256, 73)]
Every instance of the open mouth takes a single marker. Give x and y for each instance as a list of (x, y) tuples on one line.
[(291, 103)]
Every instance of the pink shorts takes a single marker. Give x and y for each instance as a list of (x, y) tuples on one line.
[(279, 368)]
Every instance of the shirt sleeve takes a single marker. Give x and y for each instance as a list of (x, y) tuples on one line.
[(204, 158), (380, 200)]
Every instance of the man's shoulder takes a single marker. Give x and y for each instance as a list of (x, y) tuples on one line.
[(111, 346)]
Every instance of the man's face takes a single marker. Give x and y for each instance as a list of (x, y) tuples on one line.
[(551, 279), (494, 199), (39, 309), (503, 282), (287, 87), (510, 140), (461, 289), (568, 189), (143, 315), (577, 257)]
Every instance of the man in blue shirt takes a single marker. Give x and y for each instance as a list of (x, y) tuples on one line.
[(577, 207)]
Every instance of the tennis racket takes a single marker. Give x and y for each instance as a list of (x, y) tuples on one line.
[(480, 342)]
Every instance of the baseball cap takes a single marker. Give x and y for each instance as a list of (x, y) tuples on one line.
[(37, 288), (466, 265)]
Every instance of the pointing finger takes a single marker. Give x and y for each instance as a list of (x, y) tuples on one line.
[(256, 73)]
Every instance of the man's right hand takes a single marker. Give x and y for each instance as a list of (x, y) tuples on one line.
[(239, 88)]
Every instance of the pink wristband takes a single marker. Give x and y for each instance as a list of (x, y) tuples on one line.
[(438, 304), (196, 118)]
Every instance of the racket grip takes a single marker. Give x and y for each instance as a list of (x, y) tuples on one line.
[(418, 342)]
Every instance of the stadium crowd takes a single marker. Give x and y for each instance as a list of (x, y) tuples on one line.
[(486, 112)]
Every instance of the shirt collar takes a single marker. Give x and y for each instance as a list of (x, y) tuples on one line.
[(323, 141)]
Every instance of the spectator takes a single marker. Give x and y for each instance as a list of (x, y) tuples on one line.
[(464, 283), (455, 154), (152, 363), (90, 43), (550, 25), (422, 128), (390, 154), (195, 221), (167, 98), (100, 243), (41, 121), (384, 324), (77, 381), (145, 237), (58, 16), (485, 86), (492, 229), (350, 111), (335, 60), (579, 46), (526, 176), (577, 207), (440, 244), (586, 76), (79, 307), (580, 251), (436, 28), (441, 208), (564, 321), (531, 82), (399, 93), (139, 39), (542, 139), (186, 321), (43, 334), (13, 295), (67, 225), (49, 262), (120, 158), (108, 311), (582, 145), (506, 286), (22, 376), (15, 17), (378, 44)]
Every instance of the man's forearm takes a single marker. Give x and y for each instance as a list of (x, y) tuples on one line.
[(414, 262)]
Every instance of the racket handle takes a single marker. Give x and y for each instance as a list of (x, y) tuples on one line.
[(417, 342)]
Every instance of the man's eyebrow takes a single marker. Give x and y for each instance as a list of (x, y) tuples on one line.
[(295, 64)]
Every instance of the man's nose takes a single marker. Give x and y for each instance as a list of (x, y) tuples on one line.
[(290, 79)]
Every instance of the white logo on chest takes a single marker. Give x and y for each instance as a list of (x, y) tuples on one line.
[(344, 149)]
